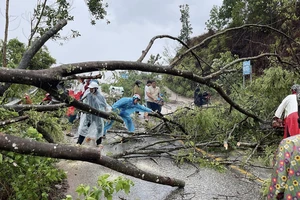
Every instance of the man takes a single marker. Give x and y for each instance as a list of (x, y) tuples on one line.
[(153, 94), (137, 90), (289, 106), (146, 117), (126, 106), (92, 126)]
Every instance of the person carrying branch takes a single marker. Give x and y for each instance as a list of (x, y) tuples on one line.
[(289, 106), (125, 107)]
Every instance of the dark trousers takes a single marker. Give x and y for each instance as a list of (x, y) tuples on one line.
[(81, 139)]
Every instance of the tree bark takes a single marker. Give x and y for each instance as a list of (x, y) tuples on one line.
[(5, 35), (93, 155), (38, 108)]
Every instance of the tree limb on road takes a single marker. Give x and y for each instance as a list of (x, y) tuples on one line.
[(93, 155), (38, 108)]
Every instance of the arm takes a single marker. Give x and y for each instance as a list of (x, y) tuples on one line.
[(141, 108), (119, 104), (281, 107), (149, 95)]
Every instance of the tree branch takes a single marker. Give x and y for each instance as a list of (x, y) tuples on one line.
[(11, 121), (225, 31), (36, 46), (144, 53), (93, 155), (38, 108), (42, 78)]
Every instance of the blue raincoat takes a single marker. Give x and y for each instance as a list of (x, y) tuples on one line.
[(90, 125), (126, 107)]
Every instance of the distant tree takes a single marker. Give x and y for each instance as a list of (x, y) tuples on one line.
[(186, 29), (15, 50)]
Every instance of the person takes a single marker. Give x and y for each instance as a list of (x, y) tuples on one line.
[(285, 178), (289, 106), (126, 106), (153, 94), (137, 90), (72, 111), (79, 88), (146, 117), (91, 125), (27, 99)]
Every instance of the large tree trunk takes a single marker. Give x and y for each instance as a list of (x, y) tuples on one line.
[(93, 155)]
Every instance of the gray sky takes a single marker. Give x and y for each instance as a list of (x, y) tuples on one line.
[(133, 24)]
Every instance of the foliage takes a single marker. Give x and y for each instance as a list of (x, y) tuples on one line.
[(189, 156), (105, 188), (186, 29), (15, 51), (25, 176), (97, 9), (235, 13)]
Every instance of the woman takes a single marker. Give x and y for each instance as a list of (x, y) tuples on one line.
[(92, 126)]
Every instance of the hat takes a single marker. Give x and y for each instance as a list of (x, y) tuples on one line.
[(93, 84)]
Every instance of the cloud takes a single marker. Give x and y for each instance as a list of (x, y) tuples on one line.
[(133, 24)]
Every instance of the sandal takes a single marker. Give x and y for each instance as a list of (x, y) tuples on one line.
[(70, 135)]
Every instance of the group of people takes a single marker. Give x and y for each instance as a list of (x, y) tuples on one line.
[(152, 96), (92, 126), (285, 179)]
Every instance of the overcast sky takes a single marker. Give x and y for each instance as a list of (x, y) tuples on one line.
[(133, 24)]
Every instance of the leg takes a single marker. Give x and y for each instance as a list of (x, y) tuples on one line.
[(129, 124), (80, 139), (99, 141), (108, 126)]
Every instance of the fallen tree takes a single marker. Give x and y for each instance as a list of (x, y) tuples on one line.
[(93, 155)]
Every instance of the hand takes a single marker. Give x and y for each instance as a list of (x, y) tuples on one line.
[(277, 122)]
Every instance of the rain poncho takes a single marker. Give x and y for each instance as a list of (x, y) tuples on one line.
[(126, 107), (289, 106), (90, 125), (285, 179)]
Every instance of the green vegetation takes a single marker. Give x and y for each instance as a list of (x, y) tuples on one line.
[(105, 188)]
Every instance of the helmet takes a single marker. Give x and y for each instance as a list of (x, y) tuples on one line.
[(138, 82), (93, 84), (136, 96), (295, 87)]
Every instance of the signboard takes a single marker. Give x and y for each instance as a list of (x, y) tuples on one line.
[(247, 70), (124, 76)]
